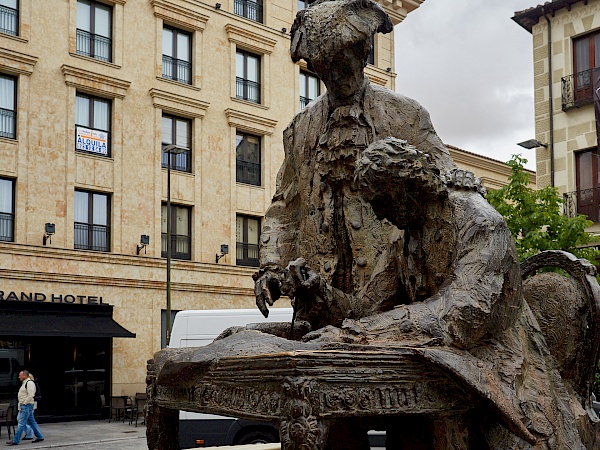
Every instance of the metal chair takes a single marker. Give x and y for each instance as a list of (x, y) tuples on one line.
[(10, 419), (118, 407), (139, 405)]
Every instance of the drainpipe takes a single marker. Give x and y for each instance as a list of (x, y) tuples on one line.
[(551, 143)]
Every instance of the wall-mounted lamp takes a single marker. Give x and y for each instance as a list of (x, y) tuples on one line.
[(389, 69), (224, 251), (217, 6), (284, 30), (49, 230), (144, 241), (532, 143)]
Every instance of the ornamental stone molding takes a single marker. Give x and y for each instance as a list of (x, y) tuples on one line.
[(178, 104), (180, 15), (249, 40), (17, 63), (94, 83), (250, 122)]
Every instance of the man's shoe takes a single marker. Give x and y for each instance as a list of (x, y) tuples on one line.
[(38, 440), (11, 443), (27, 439)]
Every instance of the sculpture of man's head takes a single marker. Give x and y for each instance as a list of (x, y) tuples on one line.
[(334, 38)]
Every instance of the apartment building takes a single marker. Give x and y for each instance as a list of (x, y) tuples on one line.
[(566, 55), (109, 110)]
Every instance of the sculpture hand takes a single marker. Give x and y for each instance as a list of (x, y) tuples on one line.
[(351, 332), (298, 276), (267, 287)]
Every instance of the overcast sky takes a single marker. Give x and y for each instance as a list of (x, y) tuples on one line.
[(471, 66)]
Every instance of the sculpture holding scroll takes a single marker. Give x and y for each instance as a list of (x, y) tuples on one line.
[(411, 314)]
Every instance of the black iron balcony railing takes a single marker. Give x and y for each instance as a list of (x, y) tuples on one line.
[(94, 149), (92, 237), (246, 254), (8, 128), (304, 101), (181, 162), (94, 45), (249, 9), (9, 20), (180, 246), (7, 227), (248, 172), (247, 90), (177, 70), (577, 90), (584, 201)]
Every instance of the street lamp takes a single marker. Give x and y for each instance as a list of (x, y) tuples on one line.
[(170, 149)]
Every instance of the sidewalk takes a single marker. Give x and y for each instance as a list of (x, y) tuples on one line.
[(65, 434)]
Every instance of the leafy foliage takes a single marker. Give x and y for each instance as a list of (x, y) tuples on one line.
[(534, 217)]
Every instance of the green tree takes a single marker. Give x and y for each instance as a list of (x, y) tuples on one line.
[(534, 217)]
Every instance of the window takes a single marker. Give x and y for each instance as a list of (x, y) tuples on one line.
[(247, 232), (92, 224), (310, 88), (371, 58), (181, 231), (247, 159), (250, 9), (7, 210), (92, 124), (247, 76), (176, 130), (302, 4), (94, 30), (177, 55), (8, 107), (9, 17), (586, 56), (588, 183)]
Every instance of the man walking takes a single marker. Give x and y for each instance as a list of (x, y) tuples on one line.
[(26, 405)]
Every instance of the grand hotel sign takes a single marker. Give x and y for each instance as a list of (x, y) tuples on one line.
[(51, 298)]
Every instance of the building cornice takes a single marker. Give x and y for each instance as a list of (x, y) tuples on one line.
[(178, 104), (179, 15), (94, 82), (250, 40), (17, 63), (250, 122), (530, 17)]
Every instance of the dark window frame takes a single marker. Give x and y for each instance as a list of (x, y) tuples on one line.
[(8, 113), (371, 57), (91, 99), (173, 61), (93, 37), (10, 14), (176, 159), (304, 101), (248, 172), (302, 4), (588, 197), (248, 252), (90, 226), (582, 79), (8, 218), (244, 85), (249, 9), (175, 237)]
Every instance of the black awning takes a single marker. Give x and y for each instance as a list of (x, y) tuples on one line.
[(49, 319)]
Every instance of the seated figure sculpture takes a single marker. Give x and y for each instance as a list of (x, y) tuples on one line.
[(381, 242)]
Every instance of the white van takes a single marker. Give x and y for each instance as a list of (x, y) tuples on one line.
[(198, 328)]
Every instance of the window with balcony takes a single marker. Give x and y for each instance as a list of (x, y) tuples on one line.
[(247, 233), (310, 88), (94, 30), (586, 199), (250, 9), (177, 131), (177, 55), (92, 221), (8, 107), (181, 232), (92, 124), (247, 76), (371, 58), (9, 17), (247, 159), (7, 210)]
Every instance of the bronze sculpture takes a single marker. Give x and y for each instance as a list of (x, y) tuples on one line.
[(391, 257)]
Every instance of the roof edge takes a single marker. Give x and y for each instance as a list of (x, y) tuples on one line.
[(530, 17)]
